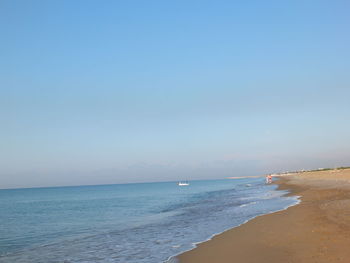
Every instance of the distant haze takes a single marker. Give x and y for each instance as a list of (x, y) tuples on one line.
[(100, 92)]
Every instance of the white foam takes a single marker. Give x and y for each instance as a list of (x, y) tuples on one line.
[(251, 203), (173, 259)]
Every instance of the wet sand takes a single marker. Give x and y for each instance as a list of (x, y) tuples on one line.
[(315, 231)]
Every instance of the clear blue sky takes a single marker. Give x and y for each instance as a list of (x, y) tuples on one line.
[(95, 92)]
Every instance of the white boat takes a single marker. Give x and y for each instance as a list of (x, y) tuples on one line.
[(183, 184)]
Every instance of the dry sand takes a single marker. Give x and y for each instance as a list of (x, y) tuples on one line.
[(315, 231)]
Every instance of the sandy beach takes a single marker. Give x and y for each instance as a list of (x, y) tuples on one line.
[(316, 230)]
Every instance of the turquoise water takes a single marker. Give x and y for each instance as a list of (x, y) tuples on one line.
[(147, 222)]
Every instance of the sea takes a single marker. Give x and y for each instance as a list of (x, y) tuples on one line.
[(127, 223)]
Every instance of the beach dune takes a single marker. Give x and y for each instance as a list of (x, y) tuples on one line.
[(315, 231)]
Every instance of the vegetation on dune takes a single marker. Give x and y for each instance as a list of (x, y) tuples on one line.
[(317, 170)]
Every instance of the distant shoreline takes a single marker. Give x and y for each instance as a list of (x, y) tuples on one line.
[(292, 172)]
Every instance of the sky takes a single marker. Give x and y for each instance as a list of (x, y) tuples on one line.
[(102, 92)]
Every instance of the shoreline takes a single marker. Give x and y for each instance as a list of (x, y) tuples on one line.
[(300, 233), (175, 258)]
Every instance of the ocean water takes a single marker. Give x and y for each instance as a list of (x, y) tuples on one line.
[(126, 223)]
